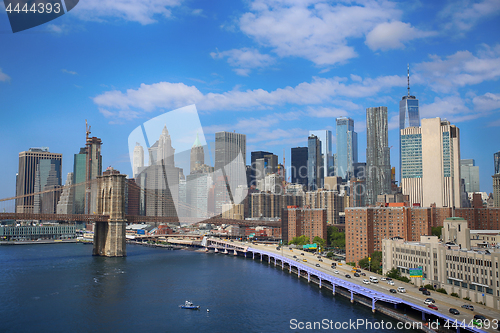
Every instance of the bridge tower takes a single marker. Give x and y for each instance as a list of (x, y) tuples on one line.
[(109, 237)]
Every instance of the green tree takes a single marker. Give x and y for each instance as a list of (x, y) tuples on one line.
[(436, 231), (300, 240), (319, 241), (395, 274), (376, 259), (335, 237)]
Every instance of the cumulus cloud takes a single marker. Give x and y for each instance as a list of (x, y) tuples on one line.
[(393, 35), (4, 77), (142, 11), (463, 15), (487, 102), (461, 69), (244, 59), (313, 29), (173, 95)]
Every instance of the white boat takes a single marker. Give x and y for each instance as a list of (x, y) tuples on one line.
[(225, 251), (216, 250), (189, 305)]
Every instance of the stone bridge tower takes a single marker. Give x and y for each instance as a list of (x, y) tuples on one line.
[(109, 237)]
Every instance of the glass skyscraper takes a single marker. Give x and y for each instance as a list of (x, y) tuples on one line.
[(469, 172), (299, 165), (409, 116), (378, 157), (496, 157), (314, 162), (325, 137), (79, 172), (347, 147)]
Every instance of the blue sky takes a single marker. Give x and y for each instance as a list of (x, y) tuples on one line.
[(272, 70)]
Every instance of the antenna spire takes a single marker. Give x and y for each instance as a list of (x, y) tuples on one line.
[(408, 80)]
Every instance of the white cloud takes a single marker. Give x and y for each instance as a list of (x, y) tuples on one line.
[(173, 95), (463, 15), (326, 112), (69, 72), (244, 59), (460, 69), (391, 35), (314, 29), (4, 77), (487, 102), (141, 11)]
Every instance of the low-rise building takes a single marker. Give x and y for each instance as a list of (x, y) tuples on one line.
[(452, 264)]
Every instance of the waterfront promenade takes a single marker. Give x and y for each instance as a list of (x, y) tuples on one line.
[(411, 297)]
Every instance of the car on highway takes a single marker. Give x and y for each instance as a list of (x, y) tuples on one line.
[(295, 257), (454, 311), (358, 270), (426, 292), (393, 291), (429, 301), (391, 283), (468, 307), (320, 260), (388, 279), (401, 290), (382, 279), (301, 253), (422, 289), (348, 276), (319, 257), (432, 306), (365, 281), (478, 320), (304, 260), (363, 274), (357, 275), (318, 265), (336, 272)]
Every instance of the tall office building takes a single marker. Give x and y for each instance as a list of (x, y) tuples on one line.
[(347, 148), (431, 163), (409, 116), (299, 165), (496, 190), (197, 157), (93, 168), (161, 178), (230, 170), (254, 156), (314, 163), (496, 158), (137, 159), (79, 174), (39, 170), (378, 158), (325, 137), (469, 172)]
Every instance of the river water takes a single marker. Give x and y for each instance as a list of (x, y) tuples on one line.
[(63, 288)]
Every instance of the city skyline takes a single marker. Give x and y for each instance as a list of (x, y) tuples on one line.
[(244, 77)]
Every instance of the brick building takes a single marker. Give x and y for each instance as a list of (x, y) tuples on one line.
[(303, 221)]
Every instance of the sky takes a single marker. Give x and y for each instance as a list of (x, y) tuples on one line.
[(270, 69)]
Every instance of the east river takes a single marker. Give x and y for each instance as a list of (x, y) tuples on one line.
[(63, 288)]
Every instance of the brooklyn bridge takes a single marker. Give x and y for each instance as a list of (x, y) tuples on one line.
[(110, 218)]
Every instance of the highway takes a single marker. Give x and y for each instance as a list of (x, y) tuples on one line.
[(442, 301)]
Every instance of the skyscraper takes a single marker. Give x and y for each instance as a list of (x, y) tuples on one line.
[(325, 137), (314, 163), (137, 159), (409, 116), (39, 170), (469, 172), (431, 163), (79, 174), (378, 158), (254, 156), (197, 155), (230, 171), (496, 158), (347, 147), (299, 165), (93, 168)]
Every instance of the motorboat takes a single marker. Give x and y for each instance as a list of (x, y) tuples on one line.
[(189, 305)]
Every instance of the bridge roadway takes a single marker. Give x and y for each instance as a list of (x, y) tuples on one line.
[(375, 291)]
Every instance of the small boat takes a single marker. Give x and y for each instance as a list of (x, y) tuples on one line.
[(189, 305), (216, 250), (225, 251)]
